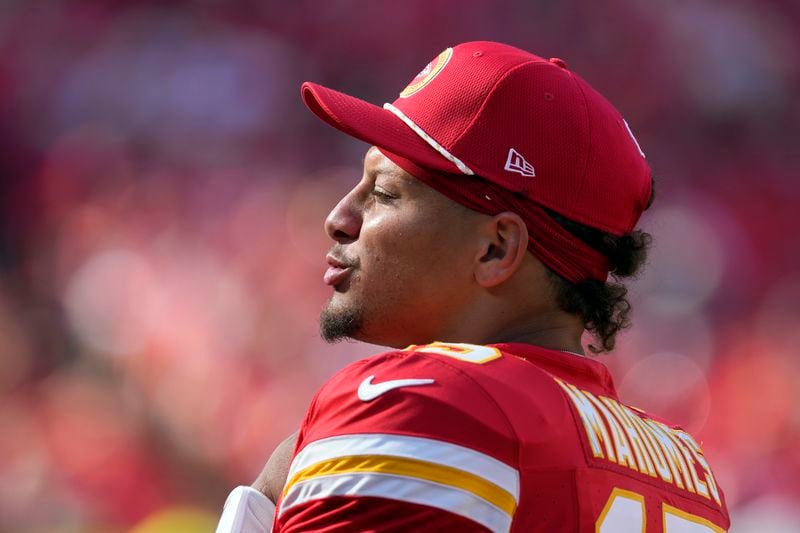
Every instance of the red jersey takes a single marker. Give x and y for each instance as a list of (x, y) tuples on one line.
[(503, 437)]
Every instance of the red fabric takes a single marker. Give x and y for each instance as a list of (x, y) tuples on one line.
[(554, 246), (510, 408), (371, 124), (367, 514), (490, 98), (418, 411)]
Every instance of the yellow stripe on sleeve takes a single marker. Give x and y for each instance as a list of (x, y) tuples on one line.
[(413, 468)]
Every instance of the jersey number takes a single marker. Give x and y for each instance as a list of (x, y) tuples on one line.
[(624, 512), (471, 353)]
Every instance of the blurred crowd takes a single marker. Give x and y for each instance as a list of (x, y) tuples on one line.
[(162, 192)]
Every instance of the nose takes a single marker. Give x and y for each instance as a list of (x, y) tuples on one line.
[(344, 221)]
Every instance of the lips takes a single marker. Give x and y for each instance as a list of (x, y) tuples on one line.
[(337, 271), (335, 275)]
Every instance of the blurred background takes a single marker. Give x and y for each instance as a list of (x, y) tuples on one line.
[(162, 193)]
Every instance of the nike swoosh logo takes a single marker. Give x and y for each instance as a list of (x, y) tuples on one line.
[(368, 391)]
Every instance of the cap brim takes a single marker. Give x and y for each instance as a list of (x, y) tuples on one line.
[(373, 125)]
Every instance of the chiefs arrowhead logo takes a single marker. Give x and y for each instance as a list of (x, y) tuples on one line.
[(427, 74)]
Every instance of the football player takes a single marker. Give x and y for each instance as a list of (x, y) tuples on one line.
[(494, 223)]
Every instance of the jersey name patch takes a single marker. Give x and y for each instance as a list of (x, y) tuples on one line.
[(617, 434)]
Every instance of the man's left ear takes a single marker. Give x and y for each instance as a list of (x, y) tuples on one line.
[(504, 244)]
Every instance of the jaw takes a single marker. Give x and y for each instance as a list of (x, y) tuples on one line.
[(386, 315), (396, 330), (341, 320), (338, 322)]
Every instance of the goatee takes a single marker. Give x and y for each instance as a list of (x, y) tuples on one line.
[(339, 324)]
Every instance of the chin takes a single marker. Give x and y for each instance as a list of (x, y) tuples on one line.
[(338, 322), (344, 318)]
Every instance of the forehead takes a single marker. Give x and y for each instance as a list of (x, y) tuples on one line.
[(376, 163)]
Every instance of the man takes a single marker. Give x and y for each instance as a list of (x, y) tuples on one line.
[(499, 193)]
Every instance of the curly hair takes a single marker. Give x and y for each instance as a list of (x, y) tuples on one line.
[(603, 306)]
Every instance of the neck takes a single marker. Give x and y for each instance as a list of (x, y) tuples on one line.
[(553, 330)]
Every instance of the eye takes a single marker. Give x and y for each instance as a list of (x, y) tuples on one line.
[(382, 196)]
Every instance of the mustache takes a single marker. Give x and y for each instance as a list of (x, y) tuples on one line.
[(337, 252)]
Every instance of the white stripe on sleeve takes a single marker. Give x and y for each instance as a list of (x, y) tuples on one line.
[(412, 490), (420, 448)]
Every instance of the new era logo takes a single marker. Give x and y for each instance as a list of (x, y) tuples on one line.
[(516, 163)]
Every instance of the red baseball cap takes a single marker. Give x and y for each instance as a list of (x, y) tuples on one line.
[(526, 124)]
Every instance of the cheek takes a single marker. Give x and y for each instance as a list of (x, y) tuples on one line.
[(418, 253)]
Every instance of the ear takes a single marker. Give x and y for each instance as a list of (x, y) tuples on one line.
[(504, 244)]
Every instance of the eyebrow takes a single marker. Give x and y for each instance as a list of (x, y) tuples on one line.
[(403, 175)]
